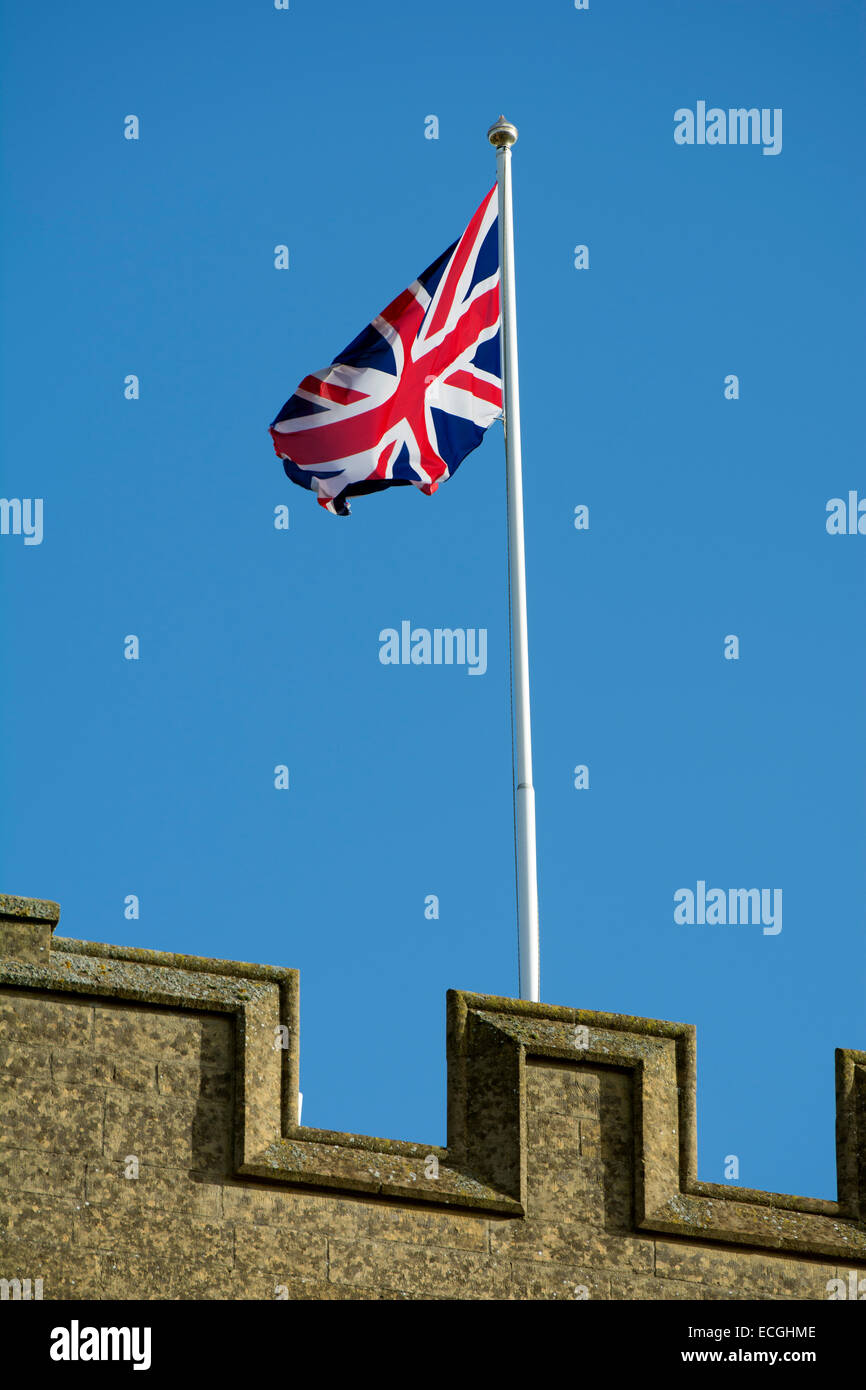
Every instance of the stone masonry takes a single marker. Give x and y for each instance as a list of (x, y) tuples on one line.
[(150, 1149)]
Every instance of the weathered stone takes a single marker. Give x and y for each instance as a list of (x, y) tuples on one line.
[(180, 1243), (24, 1171), (135, 1074), (211, 1083), (43, 1221), (173, 1129), (397, 1265), (65, 1274), (26, 927), (44, 1019), (351, 1219), (570, 1172), (24, 1063), (177, 1190), (751, 1275), (129, 1032), (563, 1283), (76, 1067), (285, 1254), (39, 1115)]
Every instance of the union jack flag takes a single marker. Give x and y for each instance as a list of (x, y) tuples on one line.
[(412, 395)]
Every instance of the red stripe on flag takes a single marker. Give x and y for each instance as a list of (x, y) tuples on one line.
[(327, 390), (482, 390), (447, 289)]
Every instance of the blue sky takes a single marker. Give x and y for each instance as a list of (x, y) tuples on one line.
[(260, 647)]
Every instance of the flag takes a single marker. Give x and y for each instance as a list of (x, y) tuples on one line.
[(412, 395)]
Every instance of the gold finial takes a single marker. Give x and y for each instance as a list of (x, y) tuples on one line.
[(502, 133)]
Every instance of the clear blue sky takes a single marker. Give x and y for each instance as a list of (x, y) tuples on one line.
[(258, 647)]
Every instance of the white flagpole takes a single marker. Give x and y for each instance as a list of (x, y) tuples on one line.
[(503, 135)]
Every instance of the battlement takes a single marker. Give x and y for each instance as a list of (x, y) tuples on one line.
[(150, 1147)]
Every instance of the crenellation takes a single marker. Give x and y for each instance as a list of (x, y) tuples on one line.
[(149, 1148)]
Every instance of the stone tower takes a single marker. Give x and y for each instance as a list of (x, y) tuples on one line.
[(150, 1148)]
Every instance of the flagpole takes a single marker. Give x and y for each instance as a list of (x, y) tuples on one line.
[(502, 136)]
